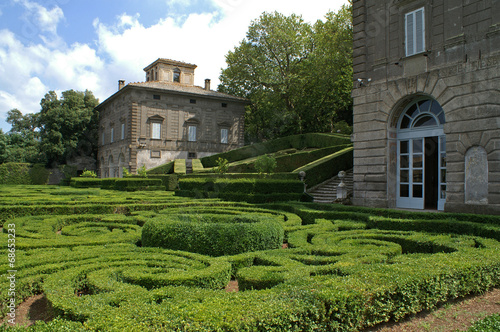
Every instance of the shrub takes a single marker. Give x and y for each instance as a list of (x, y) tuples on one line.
[(213, 236), (169, 181), (142, 172), (180, 166), (488, 324), (312, 140), (69, 172), (197, 166), (265, 164), (39, 174), (126, 173), (222, 166), (134, 184), (83, 182), (167, 168), (15, 173), (327, 167), (88, 174)]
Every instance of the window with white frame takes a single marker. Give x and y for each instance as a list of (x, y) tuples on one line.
[(192, 133), (156, 130), (224, 136), (112, 135), (415, 32)]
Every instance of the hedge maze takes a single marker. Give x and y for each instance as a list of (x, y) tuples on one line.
[(152, 261)]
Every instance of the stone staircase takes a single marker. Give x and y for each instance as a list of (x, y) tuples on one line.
[(326, 192), (189, 166)]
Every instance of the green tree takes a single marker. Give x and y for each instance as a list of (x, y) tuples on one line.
[(22, 141), (68, 126), (298, 77), (4, 144)]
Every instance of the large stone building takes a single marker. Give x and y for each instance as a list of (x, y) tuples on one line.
[(166, 118), (427, 104)]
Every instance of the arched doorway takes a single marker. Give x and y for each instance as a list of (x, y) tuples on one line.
[(421, 156)]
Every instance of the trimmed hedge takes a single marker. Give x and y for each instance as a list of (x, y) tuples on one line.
[(169, 181), (327, 167), (85, 183), (215, 236), (287, 162), (248, 190), (167, 168), (133, 184), (247, 186), (39, 174), (15, 173), (122, 184), (296, 141), (345, 268), (197, 166), (180, 166)]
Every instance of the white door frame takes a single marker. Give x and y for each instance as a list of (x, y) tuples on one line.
[(413, 170)]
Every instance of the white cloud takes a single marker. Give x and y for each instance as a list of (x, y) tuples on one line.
[(202, 39), (29, 70), (44, 19)]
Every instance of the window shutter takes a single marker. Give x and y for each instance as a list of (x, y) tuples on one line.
[(419, 31), (410, 42)]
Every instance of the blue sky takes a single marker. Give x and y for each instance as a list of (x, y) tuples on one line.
[(91, 44)]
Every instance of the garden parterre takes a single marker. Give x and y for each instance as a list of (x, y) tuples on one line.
[(345, 268)]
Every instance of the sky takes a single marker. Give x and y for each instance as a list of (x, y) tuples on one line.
[(58, 45)]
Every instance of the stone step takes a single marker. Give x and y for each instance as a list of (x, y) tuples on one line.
[(327, 191)]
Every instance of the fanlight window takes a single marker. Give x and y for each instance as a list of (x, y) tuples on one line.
[(424, 113)]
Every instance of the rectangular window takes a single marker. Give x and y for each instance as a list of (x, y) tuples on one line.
[(123, 131), (192, 133), (224, 104), (103, 138), (192, 101), (157, 97), (156, 130), (224, 133), (112, 135), (415, 32)]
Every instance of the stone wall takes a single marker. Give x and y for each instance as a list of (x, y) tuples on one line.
[(460, 69)]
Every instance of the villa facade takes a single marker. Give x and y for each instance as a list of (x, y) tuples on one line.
[(164, 118), (427, 104)]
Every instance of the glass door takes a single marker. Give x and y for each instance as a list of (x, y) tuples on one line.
[(442, 173), (411, 173)]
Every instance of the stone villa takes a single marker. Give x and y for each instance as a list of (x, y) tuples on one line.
[(166, 118), (427, 104)]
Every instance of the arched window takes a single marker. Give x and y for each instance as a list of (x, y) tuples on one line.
[(423, 113)]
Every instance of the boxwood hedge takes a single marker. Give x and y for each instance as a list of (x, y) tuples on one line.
[(345, 268), (215, 235)]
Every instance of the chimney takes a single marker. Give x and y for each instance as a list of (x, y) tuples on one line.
[(121, 84), (207, 84)]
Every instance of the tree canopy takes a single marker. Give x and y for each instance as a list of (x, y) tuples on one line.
[(297, 76), (68, 126), (64, 128)]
